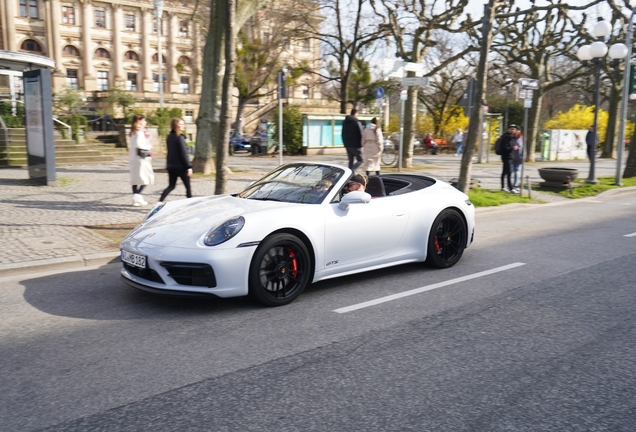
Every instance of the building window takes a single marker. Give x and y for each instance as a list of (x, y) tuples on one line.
[(102, 53), (131, 55), (265, 38), (305, 90), (155, 80), (286, 43), (70, 50), (131, 82), (30, 45), (306, 45), (184, 60), (184, 87), (68, 15), (155, 58), (130, 22), (189, 116), (29, 8), (71, 79), (183, 28), (100, 18), (102, 80)]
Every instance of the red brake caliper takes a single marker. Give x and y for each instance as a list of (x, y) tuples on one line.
[(293, 267), (437, 248)]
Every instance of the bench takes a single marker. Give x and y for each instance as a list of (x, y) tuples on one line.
[(442, 145)]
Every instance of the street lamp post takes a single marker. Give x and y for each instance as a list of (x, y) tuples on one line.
[(621, 130), (595, 53), (158, 13)]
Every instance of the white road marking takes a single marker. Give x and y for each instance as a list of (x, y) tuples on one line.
[(630, 235), (426, 288)]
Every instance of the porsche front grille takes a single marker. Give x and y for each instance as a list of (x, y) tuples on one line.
[(192, 274)]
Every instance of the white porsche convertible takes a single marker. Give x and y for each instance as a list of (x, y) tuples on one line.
[(295, 226)]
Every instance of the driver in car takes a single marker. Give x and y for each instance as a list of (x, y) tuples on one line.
[(357, 182)]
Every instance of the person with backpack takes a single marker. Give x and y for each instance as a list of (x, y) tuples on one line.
[(504, 148)]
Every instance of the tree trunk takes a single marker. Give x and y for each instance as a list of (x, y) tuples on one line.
[(212, 78), (240, 109), (344, 86), (630, 167), (208, 118), (611, 134), (480, 89), (222, 169)]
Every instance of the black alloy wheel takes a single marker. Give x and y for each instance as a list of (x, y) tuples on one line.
[(280, 270), (447, 240)]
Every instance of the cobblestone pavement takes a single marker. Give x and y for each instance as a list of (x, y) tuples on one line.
[(49, 225)]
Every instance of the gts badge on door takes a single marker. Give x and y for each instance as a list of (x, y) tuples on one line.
[(331, 263)]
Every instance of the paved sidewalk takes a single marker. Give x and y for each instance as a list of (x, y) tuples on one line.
[(48, 227)]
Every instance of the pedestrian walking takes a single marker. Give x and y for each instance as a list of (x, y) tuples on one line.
[(458, 140), (177, 162), (591, 139), (352, 139), (504, 147), (372, 146), (517, 161), (140, 159)]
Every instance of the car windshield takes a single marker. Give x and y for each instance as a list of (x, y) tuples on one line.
[(307, 184)]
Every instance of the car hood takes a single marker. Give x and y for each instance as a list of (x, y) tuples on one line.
[(182, 223)]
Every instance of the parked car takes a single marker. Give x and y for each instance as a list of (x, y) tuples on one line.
[(239, 142), (293, 227)]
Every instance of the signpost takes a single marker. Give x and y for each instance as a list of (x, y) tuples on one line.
[(526, 88), (414, 81), (379, 95)]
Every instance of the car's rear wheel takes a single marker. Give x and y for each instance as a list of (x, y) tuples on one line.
[(447, 240), (280, 270)]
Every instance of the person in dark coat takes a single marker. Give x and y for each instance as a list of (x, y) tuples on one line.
[(352, 139), (508, 145), (177, 161)]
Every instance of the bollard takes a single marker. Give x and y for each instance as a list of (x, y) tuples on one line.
[(569, 182), (529, 187)]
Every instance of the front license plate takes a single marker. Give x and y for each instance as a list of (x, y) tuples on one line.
[(133, 259)]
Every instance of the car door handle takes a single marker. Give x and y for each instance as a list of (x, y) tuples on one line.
[(399, 214)]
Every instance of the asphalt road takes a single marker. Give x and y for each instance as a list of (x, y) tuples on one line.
[(533, 330)]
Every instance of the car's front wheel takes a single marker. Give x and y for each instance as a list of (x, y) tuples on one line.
[(280, 270), (447, 240)]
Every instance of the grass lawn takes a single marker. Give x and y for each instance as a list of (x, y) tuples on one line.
[(489, 198), (582, 189)]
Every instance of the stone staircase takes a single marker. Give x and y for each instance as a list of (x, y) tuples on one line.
[(67, 152)]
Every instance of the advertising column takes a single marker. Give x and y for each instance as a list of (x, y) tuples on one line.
[(39, 125)]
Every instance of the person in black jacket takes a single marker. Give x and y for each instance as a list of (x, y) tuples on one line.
[(508, 144), (177, 162), (352, 139)]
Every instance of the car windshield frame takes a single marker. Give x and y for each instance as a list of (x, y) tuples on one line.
[(295, 183)]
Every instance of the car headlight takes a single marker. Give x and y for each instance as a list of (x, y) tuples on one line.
[(224, 232), (154, 210)]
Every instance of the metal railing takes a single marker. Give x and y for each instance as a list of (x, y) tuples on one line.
[(69, 130)]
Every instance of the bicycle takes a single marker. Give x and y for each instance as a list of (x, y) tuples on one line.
[(389, 153)]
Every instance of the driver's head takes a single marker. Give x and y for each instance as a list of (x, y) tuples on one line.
[(357, 182), (323, 185)]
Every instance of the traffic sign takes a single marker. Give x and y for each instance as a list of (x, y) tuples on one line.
[(527, 103), (379, 93), (415, 81), (529, 84)]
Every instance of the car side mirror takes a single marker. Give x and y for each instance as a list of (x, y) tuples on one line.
[(356, 197)]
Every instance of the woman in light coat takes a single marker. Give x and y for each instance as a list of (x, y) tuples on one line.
[(139, 159), (372, 146)]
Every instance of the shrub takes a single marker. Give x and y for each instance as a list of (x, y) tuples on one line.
[(292, 129)]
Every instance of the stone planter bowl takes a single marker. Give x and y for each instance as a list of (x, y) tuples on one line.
[(558, 175)]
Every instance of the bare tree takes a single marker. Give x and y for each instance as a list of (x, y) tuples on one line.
[(214, 105), (413, 26), (344, 36), (536, 48)]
